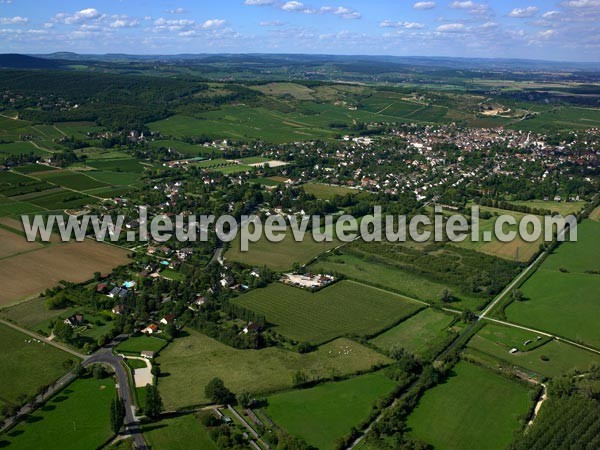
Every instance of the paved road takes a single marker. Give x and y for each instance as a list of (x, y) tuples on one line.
[(508, 288), (105, 356)]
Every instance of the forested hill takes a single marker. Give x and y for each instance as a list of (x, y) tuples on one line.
[(16, 61)]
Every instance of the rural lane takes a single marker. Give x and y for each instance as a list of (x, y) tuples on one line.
[(58, 345), (102, 356)]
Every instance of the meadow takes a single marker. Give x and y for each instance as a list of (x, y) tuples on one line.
[(395, 279), (515, 250), (326, 413), (345, 308), (278, 256), (188, 150), (27, 365), (417, 333), (138, 344), (475, 408), (190, 362), (548, 358), (178, 433), (559, 296), (74, 419), (326, 191)]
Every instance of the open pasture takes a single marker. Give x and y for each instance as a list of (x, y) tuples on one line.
[(416, 333), (327, 192), (326, 413), (74, 419), (396, 279), (559, 296), (475, 409), (279, 256), (344, 308), (190, 362), (27, 365), (20, 148), (178, 433), (548, 358), (71, 180)]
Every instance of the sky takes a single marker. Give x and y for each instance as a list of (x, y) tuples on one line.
[(567, 30)]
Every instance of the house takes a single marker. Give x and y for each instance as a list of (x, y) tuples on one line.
[(252, 328), (102, 288), (169, 318), (74, 320), (118, 292), (200, 300), (513, 350), (150, 329), (119, 309), (147, 354)]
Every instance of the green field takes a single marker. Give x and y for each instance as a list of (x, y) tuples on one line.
[(563, 208), (178, 433), (415, 334), (74, 419), (190, 362), (325, 191), (27, 365), (138, 344), (72, 180), (345, 308), (474, 409), (560, 294), (19, 148), (323, 414), (278, 256), (547, 358), (396, 279), (561, 118), (188, 150)]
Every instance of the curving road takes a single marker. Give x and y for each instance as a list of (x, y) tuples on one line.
[(103, 356)]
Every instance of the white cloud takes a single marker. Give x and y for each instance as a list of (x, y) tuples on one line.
[(424, 5), (176, 11), (472, 7), (81, 16), (547, 34), (521, 13), (582, 3), (406, 25), (259, 2), (124, 23), (451, 28), (550, 15), (17, 20), (341, 11), (212, 24), (272, 23), (293, 6)]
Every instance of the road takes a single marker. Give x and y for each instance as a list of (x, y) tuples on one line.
[(511, 285), (103, 356)]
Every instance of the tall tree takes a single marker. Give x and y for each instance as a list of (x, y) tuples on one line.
[(117, 414), (154, 404)]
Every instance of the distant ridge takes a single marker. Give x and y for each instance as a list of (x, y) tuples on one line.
[(454, 63), (16, 61)]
